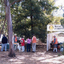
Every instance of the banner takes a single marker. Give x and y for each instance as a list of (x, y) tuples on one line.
[(55, 28)]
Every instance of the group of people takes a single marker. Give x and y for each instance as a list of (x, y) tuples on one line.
[(22, 41), (29, 42), (56, 46)]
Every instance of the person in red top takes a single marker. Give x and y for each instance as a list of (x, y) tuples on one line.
[(22, 44)]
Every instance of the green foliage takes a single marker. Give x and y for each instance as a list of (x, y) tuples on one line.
[(56, 20), (2, 16), (47, 6), (62, 21), (39, 13), (38, 20)]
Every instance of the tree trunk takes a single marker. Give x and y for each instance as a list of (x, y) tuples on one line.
[(10, 32), (31, 16), (31, 26), (3, 27)]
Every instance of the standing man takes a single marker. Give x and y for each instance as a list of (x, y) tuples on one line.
[(4, 43), (15, 41), (55, 42), (22, 44), (34, 43), (15, 38)]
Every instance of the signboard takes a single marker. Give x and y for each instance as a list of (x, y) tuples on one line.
[(55, 28)]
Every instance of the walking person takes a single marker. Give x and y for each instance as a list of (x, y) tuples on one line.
[(22, 44), (4, 43), (55, 42), (34, 43), (28, 44)]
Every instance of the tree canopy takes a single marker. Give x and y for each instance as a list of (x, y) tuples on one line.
[(31, 17)]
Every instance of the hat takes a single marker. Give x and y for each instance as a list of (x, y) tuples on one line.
[(54, 36)]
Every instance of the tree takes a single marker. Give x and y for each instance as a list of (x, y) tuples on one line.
[(33, 11), (2, 17), (56, 20), (10, 32), (62, 21), (28, 11), (7, 18), (38, 20), (9, 22)]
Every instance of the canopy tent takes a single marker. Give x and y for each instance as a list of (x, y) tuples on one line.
[(59, 36)]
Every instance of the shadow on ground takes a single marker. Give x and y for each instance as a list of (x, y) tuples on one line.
[(39, 57)]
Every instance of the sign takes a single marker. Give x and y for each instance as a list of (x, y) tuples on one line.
[(55, 28)]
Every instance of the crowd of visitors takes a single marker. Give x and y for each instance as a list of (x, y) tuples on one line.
[(30, 41)]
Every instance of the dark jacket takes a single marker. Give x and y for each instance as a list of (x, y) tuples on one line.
[(4, 40)]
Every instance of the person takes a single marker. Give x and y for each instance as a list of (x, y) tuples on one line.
[(28, 44), (22, 41), (15, 38), (51, 45), (4, 43), (61, 48), (55, 42), (15, 41), (34, 43)]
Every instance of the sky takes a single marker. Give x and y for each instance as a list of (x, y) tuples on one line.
[(59, 12), (59, 2)]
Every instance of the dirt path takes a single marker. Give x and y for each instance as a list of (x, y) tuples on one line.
[(39, 57)]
